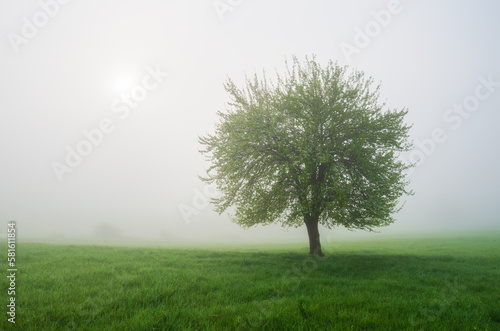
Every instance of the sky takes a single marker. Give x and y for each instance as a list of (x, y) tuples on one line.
[(102, 103)]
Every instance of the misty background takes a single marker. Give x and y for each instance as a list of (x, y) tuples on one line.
[(65, 66)]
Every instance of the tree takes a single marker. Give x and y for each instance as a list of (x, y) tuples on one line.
[(314, 147)]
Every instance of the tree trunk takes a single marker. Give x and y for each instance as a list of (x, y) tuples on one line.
[(313, 232)]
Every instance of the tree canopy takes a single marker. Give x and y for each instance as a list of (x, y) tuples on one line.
[(313, 146)]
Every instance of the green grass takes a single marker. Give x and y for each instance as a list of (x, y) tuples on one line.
[(410, 284)]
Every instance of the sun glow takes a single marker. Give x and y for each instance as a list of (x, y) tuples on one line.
[(123, 84)]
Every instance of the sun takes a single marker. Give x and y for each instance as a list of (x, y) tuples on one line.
[(123, 84)]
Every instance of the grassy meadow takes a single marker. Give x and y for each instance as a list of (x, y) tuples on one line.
[(450, 283)]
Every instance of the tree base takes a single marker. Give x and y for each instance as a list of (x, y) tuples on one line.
[(313, 233), (319, 254)]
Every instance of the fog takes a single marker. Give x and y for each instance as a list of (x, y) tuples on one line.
[(68, 69)]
